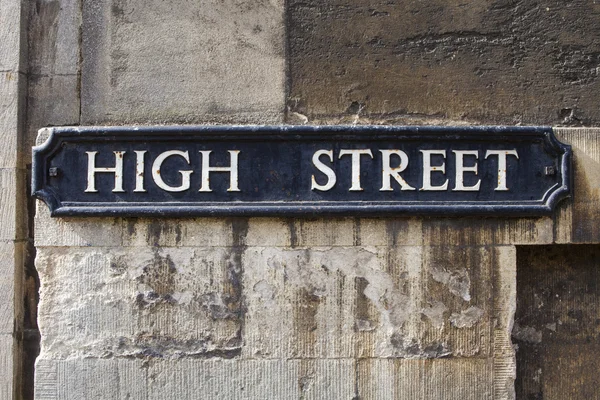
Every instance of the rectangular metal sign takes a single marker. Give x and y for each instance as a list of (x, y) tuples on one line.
[(300, 170)]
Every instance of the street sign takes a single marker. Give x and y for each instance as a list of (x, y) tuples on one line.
[(300, 170)]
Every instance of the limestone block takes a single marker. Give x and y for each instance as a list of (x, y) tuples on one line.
[(155, 61), (253, 379), (324, 232), (578, 221), (75, 231), (44, 110), (90, 379), (12, 204), (197, 232), (12, 56), (405, 301), (11, 260), (473, 231), (207, 232), (390, 231), (267, 232), (194, 379), (54, 39), (448, 379), (7, 360), (11, 99), (172, 302), (441, 62)]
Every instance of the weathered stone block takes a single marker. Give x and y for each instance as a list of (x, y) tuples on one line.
[(151, 62), (448, 379), (267, 232), (252, 379), (7, 363), (405, 301), (578, 221), (194, 378), (90, 379), (11, 261), (196, 232), (443, 63), (101, 302), (75, 231), (13, 52), (12, 95), (470, 231), (54, 36), (12, 204), (44, 109)]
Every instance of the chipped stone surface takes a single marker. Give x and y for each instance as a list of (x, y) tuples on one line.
[(208, 61), (150, 302), (369, 302), (276, 303), (441, 62)]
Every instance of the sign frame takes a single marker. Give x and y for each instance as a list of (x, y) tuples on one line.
[(42, 170)]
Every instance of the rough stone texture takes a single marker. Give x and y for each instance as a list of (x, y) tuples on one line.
[(293, 309), (578, 220), (323, 308), (13, 200), (444, 62), (7, 365), (556, 325), (156, 61), (157, 303), (12, 35), (355, 302), (75, 231), (193, 379), (426, 379), (11, 290), (54, 66), (13, 226), (321, 231), (11, 113), (54, 29)]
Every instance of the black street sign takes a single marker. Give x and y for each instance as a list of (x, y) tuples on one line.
[(300, 170)]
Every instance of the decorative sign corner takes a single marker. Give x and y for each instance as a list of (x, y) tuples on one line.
[(300, 170)]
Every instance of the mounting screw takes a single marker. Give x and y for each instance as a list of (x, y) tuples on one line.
[(550, 171), (53, 171)]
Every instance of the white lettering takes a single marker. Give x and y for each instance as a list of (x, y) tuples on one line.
[(356, 166), (459, 185), (117, 170), (331, 178), (501, 165), (388, 172), (232, 169), (139, 171), (428, 170), (185, 175)]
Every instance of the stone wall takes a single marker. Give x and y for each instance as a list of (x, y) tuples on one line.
[(271, 308)]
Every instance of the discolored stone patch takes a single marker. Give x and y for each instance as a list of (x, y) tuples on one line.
[(557, 324), (444, 62)]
